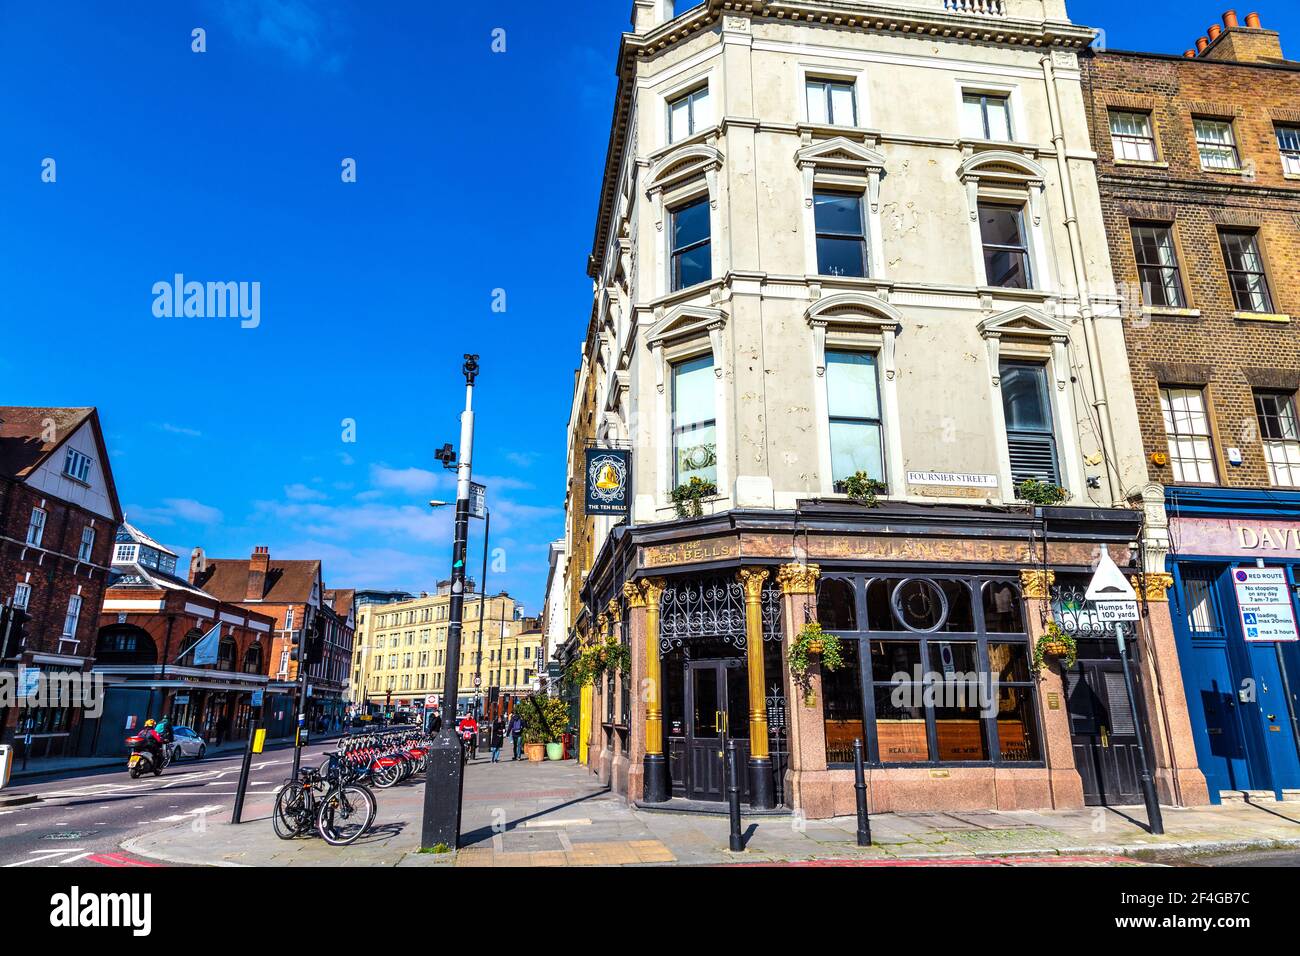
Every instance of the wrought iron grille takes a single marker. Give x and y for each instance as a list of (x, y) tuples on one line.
[(1077, 616), (703, 607), (771, 611)]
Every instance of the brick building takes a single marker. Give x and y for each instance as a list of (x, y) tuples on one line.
[(1199, 171), (149, 652), (58, 513), (293, 593)]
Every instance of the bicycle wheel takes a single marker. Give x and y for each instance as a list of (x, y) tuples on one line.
[(385, 777), (290, 808), (345, 814)]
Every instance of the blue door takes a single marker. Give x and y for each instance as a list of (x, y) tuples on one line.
[(1216, 679)]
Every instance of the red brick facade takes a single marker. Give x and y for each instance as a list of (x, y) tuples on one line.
[(1208, 343)]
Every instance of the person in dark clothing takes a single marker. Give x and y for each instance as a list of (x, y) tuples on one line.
[(498, 738), (517, 734), (223, 727)]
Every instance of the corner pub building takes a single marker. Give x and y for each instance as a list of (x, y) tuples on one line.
[(795, 286)]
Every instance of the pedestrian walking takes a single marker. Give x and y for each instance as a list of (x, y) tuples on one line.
[(223, 725), (497, 738), (517, 734)]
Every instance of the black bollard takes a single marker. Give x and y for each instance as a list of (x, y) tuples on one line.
[(860, 786), (243, 773), (733, 798)]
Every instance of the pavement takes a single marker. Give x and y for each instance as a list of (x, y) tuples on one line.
[(83, 816), (555, 814)]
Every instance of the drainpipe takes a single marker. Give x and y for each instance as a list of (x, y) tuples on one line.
[(1100, 401)]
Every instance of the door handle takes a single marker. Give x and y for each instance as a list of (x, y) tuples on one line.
[(1105, 736), (717, 722), (726, 722)]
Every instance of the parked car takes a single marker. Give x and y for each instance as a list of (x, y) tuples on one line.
[(188, 744)]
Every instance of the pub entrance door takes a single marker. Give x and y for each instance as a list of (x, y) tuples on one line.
[(717, 711), (1102, 731)]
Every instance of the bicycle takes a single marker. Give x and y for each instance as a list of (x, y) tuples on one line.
[(328, 799)]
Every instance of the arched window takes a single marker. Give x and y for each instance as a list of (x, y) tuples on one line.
[(125, 644), (253, 659)]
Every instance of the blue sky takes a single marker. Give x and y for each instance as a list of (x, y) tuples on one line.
[(476, 171)]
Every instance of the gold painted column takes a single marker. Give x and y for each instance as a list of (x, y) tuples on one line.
[(656, 766), (602, 705), (762, 788)]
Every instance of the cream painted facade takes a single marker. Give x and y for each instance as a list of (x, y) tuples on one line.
[(926, 311), (401, 648)]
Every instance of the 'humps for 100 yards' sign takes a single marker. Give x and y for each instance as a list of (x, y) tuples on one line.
[(1264, 599)]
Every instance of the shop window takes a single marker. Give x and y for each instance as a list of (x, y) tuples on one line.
[(1003, 611), (842, 706), (919, 605), (837, 605)]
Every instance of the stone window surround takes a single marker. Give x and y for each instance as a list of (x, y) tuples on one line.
[(1015, 104), (854, 321), (1009, 177), (1027, 333), (840, 164), (684, 332), (834, 72), (681, 176), (693, 80)]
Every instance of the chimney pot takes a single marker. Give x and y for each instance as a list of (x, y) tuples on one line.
[(1230, 20), (1202, 44), (1214, 31), (1190, 54), (1252, 20)]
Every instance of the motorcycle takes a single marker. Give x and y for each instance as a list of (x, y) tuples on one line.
[(144, 760)]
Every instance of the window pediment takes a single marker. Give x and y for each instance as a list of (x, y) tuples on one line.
[(684, 322), (854, 310), (681, 165), (1027, 322), (1002, 165), (841, 153)]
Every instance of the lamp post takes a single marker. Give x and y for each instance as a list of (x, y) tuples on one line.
[(482, 613), (445, 778)]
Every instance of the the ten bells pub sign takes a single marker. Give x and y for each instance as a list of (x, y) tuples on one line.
[(609, 481)]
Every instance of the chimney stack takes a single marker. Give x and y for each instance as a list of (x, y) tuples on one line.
[(648, 14), (198, 564), (258, 566), (1235, 43)]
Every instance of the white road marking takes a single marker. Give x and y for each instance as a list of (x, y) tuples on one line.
[(41, 856)]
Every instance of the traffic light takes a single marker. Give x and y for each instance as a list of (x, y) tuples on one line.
[(316, 641), (12, 621)]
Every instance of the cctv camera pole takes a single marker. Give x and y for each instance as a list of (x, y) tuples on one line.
[(444, 781), (482, 613)]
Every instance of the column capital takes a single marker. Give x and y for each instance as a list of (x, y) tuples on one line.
[(632, 591), (752, 579), (653, 589), (602, 620), (615, 611), (1154, 586), (1037, 583), (798, 578)]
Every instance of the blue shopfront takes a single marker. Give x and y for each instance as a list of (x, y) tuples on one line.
[(1231, 549)]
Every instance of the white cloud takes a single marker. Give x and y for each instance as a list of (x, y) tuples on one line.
[(411, 481), (173, 510), (179, 430), (300, 492)]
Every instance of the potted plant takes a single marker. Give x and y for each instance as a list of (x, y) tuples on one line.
[(1055, 643), (545, 719), (1041, 492), (688, 497), (811, 642), (862, 488)]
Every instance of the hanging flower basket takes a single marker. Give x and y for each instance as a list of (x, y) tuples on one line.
[(1055, 643)]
